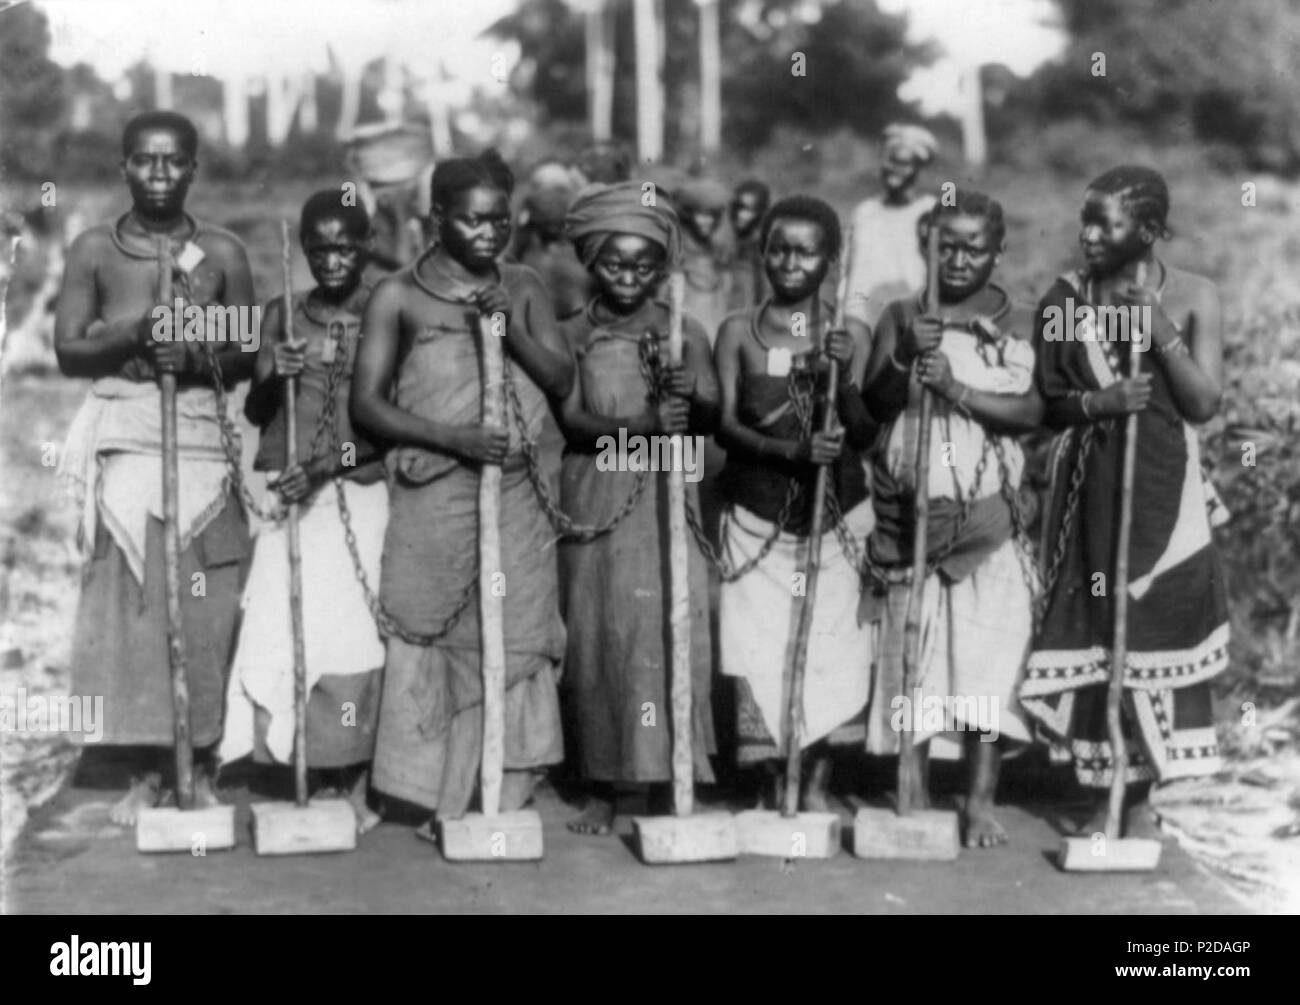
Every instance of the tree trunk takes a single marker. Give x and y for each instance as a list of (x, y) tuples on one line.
[(972, 117), (600, 71), (162, 89), (234, 109), (710, 80), (649, 90)]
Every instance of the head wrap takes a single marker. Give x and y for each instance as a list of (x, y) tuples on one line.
[(602, 210), (550, 174), (547, 205), (702, 193), (910, 142)]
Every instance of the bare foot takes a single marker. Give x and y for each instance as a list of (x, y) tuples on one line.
[(597, 817), (816, 802), (205, 794), (1096, 823), (142, 795), (366, 817), (982, 828), (814, 794), (1140, 822), (517, 790)]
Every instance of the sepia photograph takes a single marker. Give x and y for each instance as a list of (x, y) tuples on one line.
[(651, 457)]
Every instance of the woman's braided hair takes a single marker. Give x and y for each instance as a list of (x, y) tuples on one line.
[(1142, 190)]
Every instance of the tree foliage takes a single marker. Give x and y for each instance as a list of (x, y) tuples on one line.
[(852, 59), (31, 92), (1200, 69)]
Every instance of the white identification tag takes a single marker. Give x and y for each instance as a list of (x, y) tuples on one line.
[(778, 362), (336, 335), (189, 257)]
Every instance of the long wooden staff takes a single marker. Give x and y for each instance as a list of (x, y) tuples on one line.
[(680, 587), (172, 553), (295, 547), (908, 772), (1119, 647), (812, 567), (491, 608)]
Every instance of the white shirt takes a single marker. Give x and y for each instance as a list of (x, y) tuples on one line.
[(885, 258)]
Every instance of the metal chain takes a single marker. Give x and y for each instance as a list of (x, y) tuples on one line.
[(561, 521), (1019, 531), (229, 434), (334, 378), (868, 567), (857, 556), (388, 624), (726, 571), (800, 401)]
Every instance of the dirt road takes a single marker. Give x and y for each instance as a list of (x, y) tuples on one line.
[(70, 859)]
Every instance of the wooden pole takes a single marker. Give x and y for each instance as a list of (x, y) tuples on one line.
[(163, 99), (308, 110), (600, 70), (1119, 648), (679, 580), (908, 772), (295, 547), (710, 79), (234, 109), (439, 115), (812, 568), (491, 612), (172, 553), (974, 141), (649, 95), (350, 79)]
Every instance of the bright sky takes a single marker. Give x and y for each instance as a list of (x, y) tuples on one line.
[(226, 36)]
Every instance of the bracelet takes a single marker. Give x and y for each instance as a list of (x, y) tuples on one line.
[(1083, 404), (1174, 347), (894, 360), (960, 403)]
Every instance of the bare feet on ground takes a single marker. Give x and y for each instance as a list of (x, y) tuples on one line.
[(142, 795), (1140, 821), (597, 817), (982, 828), (815, 798), (205, 794), (366, 817), (1096, 822), (517, 789)]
